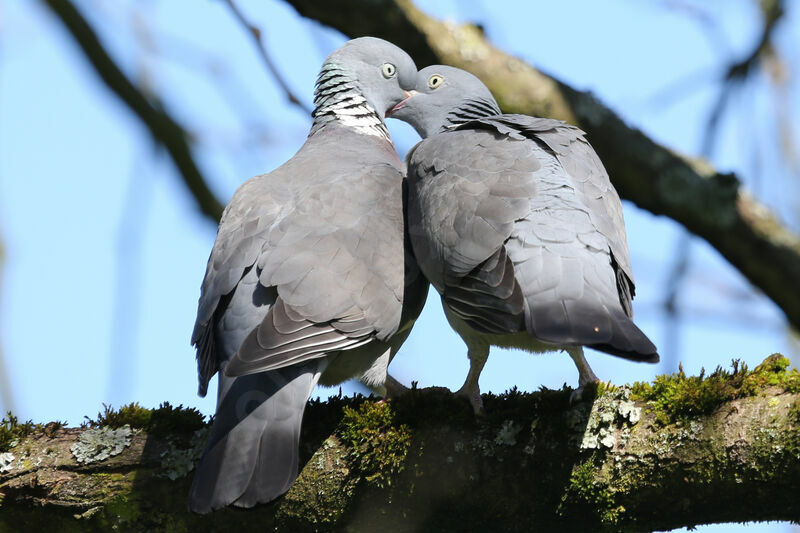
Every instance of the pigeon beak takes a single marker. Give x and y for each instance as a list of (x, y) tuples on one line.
[(401, 103)]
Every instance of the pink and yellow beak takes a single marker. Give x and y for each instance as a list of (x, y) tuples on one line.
[(401, 103)]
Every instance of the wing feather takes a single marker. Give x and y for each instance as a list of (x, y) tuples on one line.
[(529, 194), (335, 259), (590, 180)]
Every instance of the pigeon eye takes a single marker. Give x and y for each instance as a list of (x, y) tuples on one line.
[(388, 70), (435, 81)]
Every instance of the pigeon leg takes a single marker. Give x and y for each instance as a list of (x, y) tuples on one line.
[(585, 373), (470, 389)]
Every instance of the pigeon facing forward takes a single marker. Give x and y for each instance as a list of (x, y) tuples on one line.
[(309, 280), (515, 222)]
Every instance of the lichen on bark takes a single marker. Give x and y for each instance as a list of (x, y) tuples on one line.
[(622, 460)]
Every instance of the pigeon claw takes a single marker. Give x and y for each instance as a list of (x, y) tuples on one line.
[(474, 398), (584, 393)]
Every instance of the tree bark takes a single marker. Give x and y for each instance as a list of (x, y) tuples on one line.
[(625, 460)]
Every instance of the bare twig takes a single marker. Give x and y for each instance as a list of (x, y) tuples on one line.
[(738, 72), (679, 88), (712, 318), (164, 129), (255, 33), (213, 67), (711, 28)]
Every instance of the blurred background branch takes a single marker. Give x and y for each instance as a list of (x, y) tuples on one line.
[(741, 70), (255, 32), (737, 74), (163, 128)]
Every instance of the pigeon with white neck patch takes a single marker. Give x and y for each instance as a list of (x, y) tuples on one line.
[(309, 280)]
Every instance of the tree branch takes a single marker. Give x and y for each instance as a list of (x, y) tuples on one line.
[(671, 454), (255, 34), (708, 203), (163, 128)]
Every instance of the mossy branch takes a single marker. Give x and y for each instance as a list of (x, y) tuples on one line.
[(673, 453)]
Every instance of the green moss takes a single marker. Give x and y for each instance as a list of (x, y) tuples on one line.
[(12, 431), (377, 448), (322, 493), (122, 511), (773, 371), (674, 397), (586, 492), (184, 429), (794, 412), (164, 421), (133, 415)]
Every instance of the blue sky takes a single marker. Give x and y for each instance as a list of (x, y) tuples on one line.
[(105, 251)]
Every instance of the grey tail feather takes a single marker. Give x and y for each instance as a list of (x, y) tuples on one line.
[(575, 322), (251, 456), (206, 344), (625, 287)]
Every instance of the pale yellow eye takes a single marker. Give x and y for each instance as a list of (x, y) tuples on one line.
[(388, 70), (435, 81)]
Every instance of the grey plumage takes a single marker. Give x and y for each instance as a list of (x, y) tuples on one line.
[(309, 280), (515, 222)]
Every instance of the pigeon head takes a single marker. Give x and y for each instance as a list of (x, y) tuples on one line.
[(444, 97), (361, 81)]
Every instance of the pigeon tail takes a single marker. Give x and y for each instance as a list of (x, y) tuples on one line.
[(252, 452), (593, 324)]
